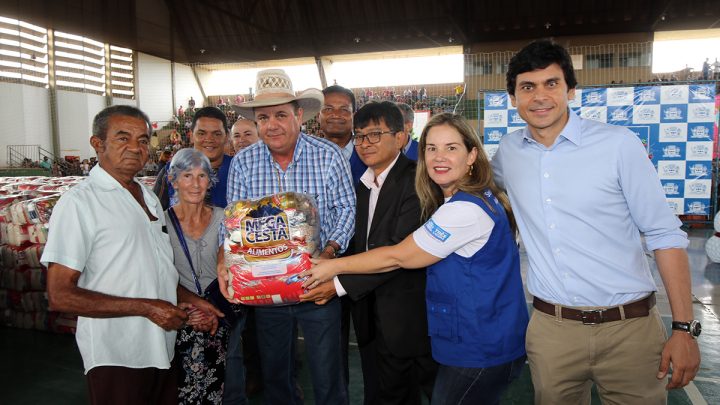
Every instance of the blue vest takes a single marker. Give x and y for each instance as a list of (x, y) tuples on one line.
[(477, 315)]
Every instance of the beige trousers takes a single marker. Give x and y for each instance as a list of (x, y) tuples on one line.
[(621, 358)]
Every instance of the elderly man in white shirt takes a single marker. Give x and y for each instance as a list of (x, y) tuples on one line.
[(110, 261)]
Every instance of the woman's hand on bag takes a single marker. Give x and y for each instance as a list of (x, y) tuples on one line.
[(321, 271)]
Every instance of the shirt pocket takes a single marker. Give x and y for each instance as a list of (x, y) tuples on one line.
[(442, 314)]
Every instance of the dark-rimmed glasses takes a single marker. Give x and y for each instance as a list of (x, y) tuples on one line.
[(372, 137)]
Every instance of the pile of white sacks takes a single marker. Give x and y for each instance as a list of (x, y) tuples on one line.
[(26, 204)]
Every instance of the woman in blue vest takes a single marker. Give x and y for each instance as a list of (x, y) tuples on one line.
[(476, 307)]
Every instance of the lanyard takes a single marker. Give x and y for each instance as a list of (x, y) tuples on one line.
[(181, 237)]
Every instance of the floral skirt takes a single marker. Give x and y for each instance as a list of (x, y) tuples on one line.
[(201, 359)]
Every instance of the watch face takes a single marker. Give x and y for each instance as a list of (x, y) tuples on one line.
[(695, 328)]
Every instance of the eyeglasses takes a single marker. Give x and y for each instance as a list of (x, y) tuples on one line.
[(372, 137)]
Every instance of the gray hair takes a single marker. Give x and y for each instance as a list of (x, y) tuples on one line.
[(189, 159), (407, 112), (101, 122)]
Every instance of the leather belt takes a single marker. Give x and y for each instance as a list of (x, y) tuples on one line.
[(635, 309)]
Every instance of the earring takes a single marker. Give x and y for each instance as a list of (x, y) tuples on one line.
[(470, 169)]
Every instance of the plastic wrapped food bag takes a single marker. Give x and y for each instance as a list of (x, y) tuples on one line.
[(268, 242)]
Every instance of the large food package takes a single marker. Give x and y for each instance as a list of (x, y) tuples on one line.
[(26, 204), (268, 242)]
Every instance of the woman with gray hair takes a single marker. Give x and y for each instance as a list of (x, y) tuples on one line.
[(194, 238)]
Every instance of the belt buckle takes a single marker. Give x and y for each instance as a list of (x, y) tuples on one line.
[(592, 317)]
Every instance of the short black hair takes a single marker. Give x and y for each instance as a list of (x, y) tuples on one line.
[(375, 111), (102, 119), (342, 90), (210, 112), (539, 55)]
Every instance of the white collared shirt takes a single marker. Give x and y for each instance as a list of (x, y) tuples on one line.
[(374, 183), (100, 230)]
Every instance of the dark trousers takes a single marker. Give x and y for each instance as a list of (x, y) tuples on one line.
[(320, 324), (234, 389), (475, 386), (113, 385), (402, 380)]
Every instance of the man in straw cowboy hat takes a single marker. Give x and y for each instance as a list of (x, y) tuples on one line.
[(288, 160)]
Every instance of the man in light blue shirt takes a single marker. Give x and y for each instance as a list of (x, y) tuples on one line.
[(288, 160), (583, 192)]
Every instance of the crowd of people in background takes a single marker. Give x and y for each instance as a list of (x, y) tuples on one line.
[(68, 166)]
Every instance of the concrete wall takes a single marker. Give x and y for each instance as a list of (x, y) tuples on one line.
[(24, 114), (25, 109), (154, 87)]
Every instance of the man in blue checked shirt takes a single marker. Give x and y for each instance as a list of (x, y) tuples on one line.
[(583, 192), (289, 160)]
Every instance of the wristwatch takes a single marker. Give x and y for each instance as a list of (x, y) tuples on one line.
[(330, 249), (693, 327)]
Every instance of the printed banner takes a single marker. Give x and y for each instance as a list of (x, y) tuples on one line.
[(677, 125)]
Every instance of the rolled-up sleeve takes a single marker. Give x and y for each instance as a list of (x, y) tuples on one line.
[(646, 199)]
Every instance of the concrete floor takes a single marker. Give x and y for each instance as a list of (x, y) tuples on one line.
[(38, 367)]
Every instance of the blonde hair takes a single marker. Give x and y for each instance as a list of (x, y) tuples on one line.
[(478, 179)]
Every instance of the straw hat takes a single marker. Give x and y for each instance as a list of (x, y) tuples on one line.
[(274, 87)]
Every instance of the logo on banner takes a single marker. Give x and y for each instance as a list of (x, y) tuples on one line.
[(593, 115), (673, 113), (494, 118), (491, 151), (673, 132), (673, 205), (593, 97), (494, 136), (496, 100), (646, 113), (619, 95), (696, 207), (515, 118), (671, 151), (674, 94), (701, 112), (647, 95), (698, 188), (671, 170), (671, 188), (701, 92), (700, 132), (698, 170), (619, 115), (700, 150)]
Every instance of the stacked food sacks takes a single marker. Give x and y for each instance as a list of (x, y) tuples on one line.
[(268, 242), (25, 207)]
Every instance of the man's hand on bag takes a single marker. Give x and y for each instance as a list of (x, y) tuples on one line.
[(320, 294)]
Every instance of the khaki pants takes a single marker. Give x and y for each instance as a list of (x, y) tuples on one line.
[(621, 358)]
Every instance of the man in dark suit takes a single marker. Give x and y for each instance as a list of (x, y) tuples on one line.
[(389, 308)]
